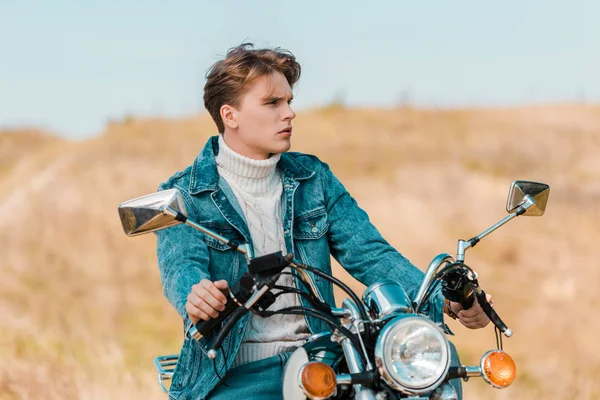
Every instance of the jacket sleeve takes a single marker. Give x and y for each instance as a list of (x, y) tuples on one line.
[(182, 261), (359, 247)]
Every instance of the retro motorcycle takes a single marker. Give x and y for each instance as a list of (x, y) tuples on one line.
[(381, 346)]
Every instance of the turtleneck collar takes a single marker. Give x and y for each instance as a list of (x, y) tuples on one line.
[(252, 175)]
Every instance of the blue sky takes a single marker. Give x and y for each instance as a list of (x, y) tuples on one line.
[(71, 66)]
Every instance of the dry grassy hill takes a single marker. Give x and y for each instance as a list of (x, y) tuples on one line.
[(82, 310)]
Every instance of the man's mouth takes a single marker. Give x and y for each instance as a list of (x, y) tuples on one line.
[(287, 130)]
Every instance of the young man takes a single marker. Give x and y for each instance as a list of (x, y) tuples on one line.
[(247, 187)]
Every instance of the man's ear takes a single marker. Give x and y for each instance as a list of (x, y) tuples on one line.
[(229, 116)]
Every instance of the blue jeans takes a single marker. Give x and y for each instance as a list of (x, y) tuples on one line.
[(262, 379)]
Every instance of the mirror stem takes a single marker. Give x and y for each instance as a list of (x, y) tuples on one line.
[(463, 245), (244, 249)]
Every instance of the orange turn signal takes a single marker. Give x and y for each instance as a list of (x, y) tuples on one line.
[(498, 368), (317, 380)]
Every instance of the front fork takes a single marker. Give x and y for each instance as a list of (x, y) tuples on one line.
[(351, 354)]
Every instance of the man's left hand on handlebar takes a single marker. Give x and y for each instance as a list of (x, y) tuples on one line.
[(474, 317)]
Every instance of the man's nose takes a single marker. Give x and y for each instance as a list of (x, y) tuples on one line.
[(289, 113)]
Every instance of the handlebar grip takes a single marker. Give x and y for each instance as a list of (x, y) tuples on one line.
[(238, 294), (467, 302), (457, 372), (491, 313), (205, 327)]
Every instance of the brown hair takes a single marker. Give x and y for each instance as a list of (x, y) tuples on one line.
[(227, 78)]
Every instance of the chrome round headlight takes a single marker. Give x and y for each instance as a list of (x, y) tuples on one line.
[(412, 354)]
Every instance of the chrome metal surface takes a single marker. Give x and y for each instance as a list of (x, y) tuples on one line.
[(537, 191), (343, 379), (341, 312), (158, 211), (256, 296), (385, 334), (463, 245), (444, 392), (349, 305), (145, 214), (243, 248), (165, 366), (316, 336), (355, 365), (353, 358), (473, 371), (365, 394), (386, 298), (496, 226), (524, 198), (194, 332), (357, 323), (433, 267), (235, 300)]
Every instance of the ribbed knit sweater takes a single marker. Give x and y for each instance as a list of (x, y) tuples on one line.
[(257, 187)]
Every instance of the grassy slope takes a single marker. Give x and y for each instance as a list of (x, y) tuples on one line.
[(82, 306)]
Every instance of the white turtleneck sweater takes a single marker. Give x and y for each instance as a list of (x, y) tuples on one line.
[(257, 187)]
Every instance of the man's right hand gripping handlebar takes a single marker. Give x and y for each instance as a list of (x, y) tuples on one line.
[(210, 303)]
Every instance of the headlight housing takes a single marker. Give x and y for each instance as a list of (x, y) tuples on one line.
[(413, 354)]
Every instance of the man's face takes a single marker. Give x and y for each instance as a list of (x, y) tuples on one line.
[(264, 118)]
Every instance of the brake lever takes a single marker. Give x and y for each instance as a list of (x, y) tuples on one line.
[(491, 313), (265, 284), (224, 331)]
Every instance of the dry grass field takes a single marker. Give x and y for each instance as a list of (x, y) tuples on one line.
[(81, 305)]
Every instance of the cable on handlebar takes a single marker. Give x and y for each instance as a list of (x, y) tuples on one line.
[(221, 379), (222, 334), (340, 284), (363, 313), (310, 295), (311, 299), (317, 314)]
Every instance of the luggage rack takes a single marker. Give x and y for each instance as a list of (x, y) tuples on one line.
[(165, 365)]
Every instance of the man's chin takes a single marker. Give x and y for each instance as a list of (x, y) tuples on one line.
[(282, 147)]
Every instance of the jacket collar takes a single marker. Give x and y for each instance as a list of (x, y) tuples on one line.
[(204, 175)]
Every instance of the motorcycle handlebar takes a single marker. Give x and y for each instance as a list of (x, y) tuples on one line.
[(459, 284), (244, 294), (205, 327), (240, 293)]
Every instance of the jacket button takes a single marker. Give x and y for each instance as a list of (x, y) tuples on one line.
[(315, 229)]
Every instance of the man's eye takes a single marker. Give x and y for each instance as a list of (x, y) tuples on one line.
[(290, 102)]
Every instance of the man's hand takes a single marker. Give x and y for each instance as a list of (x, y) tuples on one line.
[(206, 300), (474, 317)]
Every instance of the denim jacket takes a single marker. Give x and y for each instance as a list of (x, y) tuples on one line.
[(320, 219)]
